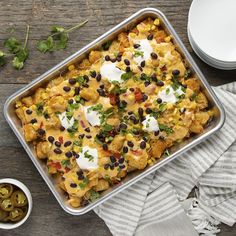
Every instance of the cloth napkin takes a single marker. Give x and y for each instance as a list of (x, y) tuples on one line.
[(157, 204)]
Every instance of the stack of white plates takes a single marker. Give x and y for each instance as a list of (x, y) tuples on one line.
[(212, 32)]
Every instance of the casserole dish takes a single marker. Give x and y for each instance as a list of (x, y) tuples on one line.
[(215, 124)]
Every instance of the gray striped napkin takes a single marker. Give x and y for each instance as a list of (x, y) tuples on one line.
[(210, 166)]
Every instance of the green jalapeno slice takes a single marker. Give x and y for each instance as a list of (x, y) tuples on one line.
[(5, 190)]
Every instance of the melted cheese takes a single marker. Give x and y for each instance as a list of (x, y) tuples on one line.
[(145, 48), (93, 117), (150, 124), (86, 163), (109, 71), (169, 94), (65, 122)]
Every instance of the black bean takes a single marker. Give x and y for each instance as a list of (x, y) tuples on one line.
[(154, 77), (130, 144), (113, 60), (123, 126), (107, 58), (121, 160), (130, 112), (154, 55), (127, 69), (81, 136), (145, 97), (112, 167), (73, 185), (175, 72), (87, 129), (62, 128), (105, 147), (140, 111), (28, 112), (58, 144), (33, 121), (76, 155), (136, 45), (116, 164), (86, 78), (99, 77), (70, 101), (72, 81), (68, 154), (80, 176), (118, 59), (159, 100), (46, 116), (57, 151), (102, 86), (135, 121), (140, 68), (41, 132), (67, 143), (66, 88), (146, 83), (148, 110), (51, 139), (112, 159), (125, 149), (106, 166), (145, 139), (143, 145), (127, 62), (101, 92), (156, 133), (150, 37), (77, 90), (160, 83), (93, 74), (84, 202), (142, 64), (85, 85), (131, 89), (122, 166), (88, 136), (184, 85)]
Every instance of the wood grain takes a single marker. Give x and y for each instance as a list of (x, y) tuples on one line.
[(47, 217)]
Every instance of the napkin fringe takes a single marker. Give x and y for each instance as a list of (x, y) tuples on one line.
[(203, 223)]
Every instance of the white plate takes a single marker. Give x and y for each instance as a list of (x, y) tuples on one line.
[(213, 28)]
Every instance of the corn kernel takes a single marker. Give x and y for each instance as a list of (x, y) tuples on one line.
[(129, 136), (167, 39), (71, 67), (153, 27), (156, 21), (33, 107), (147, 145)]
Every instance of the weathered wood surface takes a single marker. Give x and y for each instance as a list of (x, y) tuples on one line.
[(47, 217)]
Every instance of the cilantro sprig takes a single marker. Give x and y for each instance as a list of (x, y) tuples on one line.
[(58, 38), (17, 50)]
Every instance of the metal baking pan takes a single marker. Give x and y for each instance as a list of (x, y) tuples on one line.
[(131, 178)]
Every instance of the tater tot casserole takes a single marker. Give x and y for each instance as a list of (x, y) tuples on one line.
[(116, 111)]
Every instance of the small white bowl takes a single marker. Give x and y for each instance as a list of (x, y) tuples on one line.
[(30, 203)]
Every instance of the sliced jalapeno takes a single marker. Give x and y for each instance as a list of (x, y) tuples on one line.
[(16, 214), (3, 215), (18, 198), (5, 190), (6, 204)]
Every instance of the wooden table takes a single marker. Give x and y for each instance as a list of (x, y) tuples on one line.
[(47, 217)]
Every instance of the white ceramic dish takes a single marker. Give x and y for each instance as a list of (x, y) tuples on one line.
[(30, 203)]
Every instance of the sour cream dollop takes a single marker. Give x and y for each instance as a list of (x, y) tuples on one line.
[(93, 117), (65, 122), (111, 72), (146, 48), (150, 124), (169, 95), (88, 158)]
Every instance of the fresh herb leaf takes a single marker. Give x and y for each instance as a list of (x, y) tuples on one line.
[(2, 58), (193, 97), (187, 74), (138, 53), (65, 163), (106, 45), (80, 79), (107, 127), (84, 183), (127, 75), (39, 108), (167, 91), (93, 195), (97, 107), (165, 128), (13, 45), (118, 90), (166, 153), (58, 39), (87, 155), (162, 106)]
